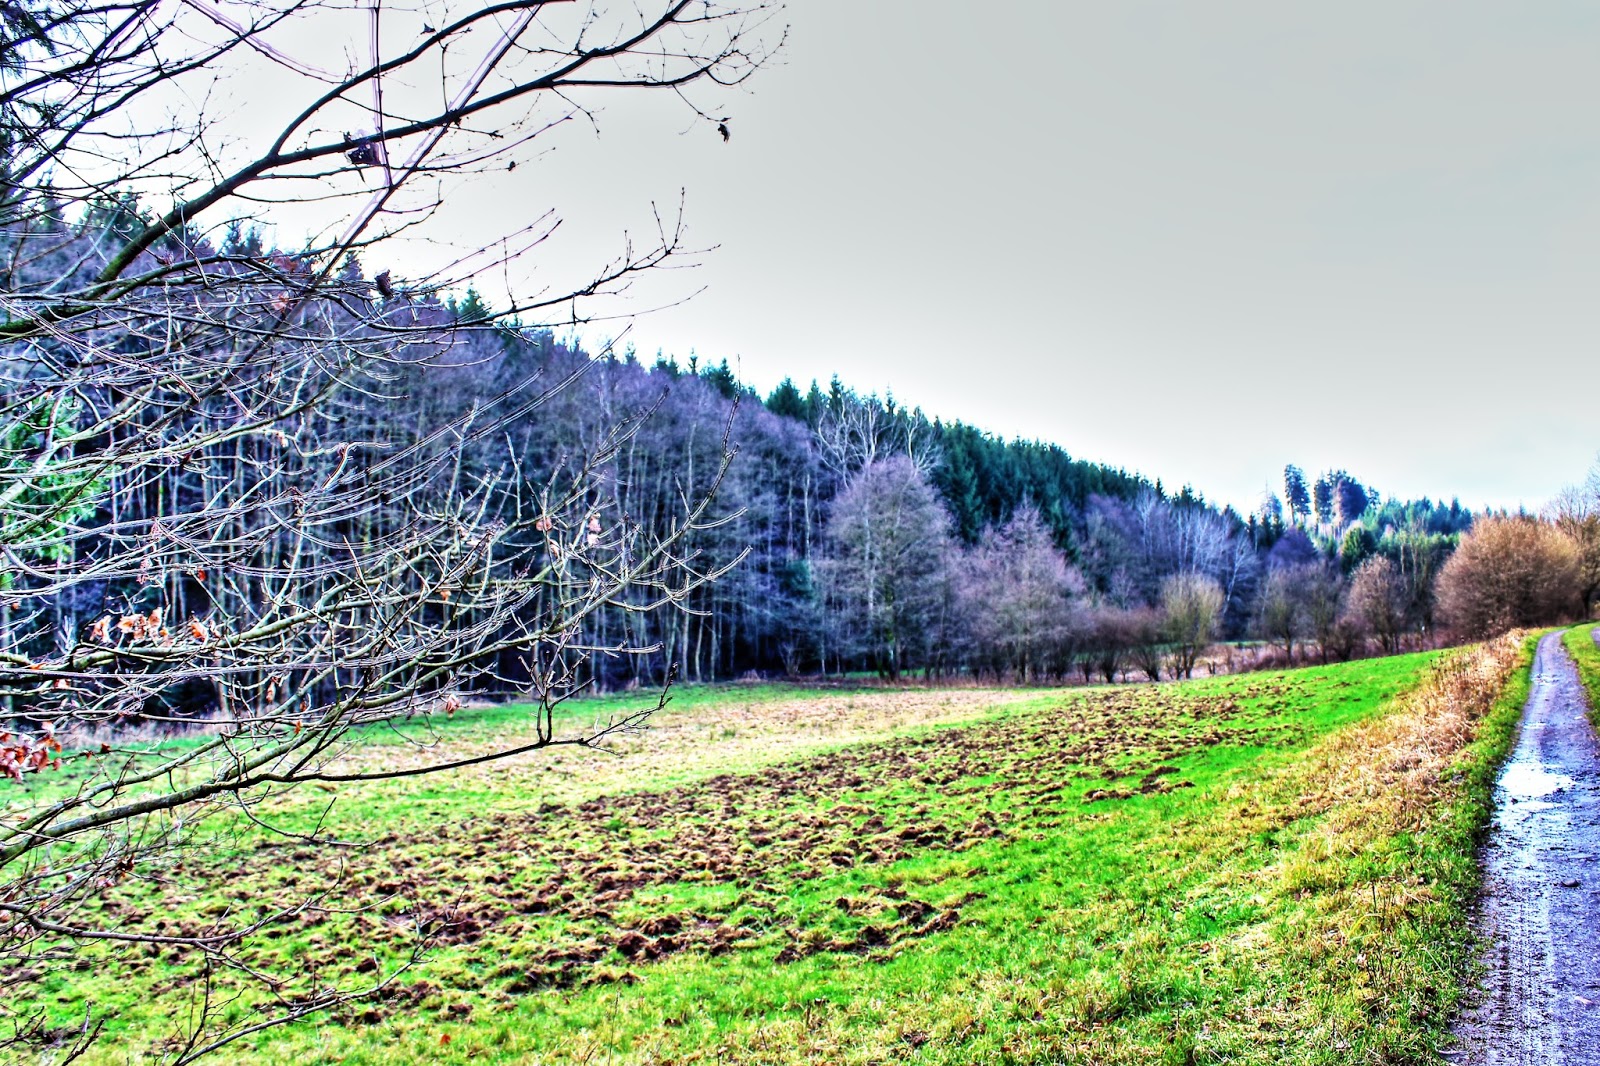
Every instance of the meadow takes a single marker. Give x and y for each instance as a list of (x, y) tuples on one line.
[(1271, 867)]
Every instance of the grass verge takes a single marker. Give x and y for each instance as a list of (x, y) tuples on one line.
[(1580, 643)]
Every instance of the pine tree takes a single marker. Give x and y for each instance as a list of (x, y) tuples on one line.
[(1295, 494)]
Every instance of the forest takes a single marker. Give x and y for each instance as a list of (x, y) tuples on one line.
[(838, 532), (845, 532)]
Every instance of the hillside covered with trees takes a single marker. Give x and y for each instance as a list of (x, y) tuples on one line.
[(844, 532), (859, 534)]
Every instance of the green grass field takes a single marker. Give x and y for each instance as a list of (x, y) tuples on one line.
[(1264, 868), (1580, 641)]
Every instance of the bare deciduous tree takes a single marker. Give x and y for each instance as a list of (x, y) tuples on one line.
[(1509, 572), (1147, 640), (1322, 595), (887, 569), (1192, 605), (1576, 514), (1017, 594), (1111, 633), (854, 432), (1281, 612), (205, 508), (1377, 600)]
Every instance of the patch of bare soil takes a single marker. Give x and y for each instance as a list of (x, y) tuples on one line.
[(585, 862), (1540, 915)]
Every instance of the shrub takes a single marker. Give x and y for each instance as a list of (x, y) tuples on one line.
[(1509, 572)]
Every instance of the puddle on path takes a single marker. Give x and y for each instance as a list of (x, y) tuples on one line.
[(1526, 781)]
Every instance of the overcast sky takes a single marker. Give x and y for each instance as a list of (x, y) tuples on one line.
[(1196, 240)]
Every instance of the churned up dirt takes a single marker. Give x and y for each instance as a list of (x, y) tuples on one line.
[(1540, 918)]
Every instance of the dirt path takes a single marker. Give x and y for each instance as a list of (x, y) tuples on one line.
[(1540, 918)]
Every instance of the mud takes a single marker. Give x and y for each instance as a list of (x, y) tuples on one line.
[(1539, 1004)]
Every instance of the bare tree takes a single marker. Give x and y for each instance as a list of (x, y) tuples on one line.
[(853, 433), (1322, 595), (206, 509), (1192, 608), (1147, 640), (1377, 600), (1509, 572), (1111, 634), (885, 574), (1281, 610), (1575, 512), (1017, 595)]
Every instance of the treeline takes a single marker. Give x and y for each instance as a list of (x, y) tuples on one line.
[(850, 532), (874, 538), (923, 546), (863, 535)]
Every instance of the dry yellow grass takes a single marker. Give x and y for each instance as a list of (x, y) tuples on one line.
[(1385, 851), (1392, 773), (682, 745)]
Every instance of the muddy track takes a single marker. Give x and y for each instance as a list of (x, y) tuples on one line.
[(1539, 1004)]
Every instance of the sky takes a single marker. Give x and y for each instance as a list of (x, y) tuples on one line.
[(1198, 241)]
